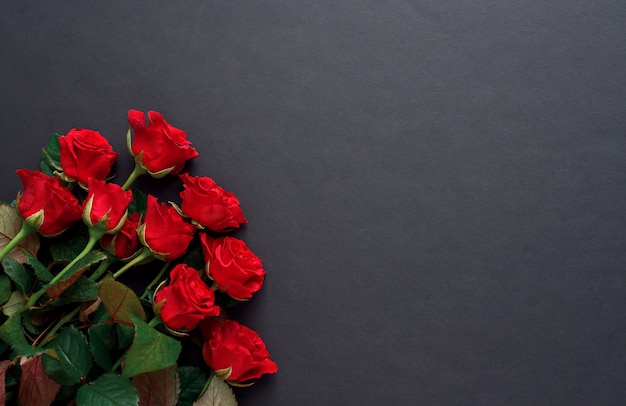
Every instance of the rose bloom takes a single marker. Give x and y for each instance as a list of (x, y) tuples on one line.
[(46, 204), (161, 148), (210, 205), (235, 352), (164, 231), (125, 243), (85, 154), (236, 270), (186, 301), (106, 204)]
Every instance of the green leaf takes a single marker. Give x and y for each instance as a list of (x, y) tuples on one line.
[(92, 257), (217, 394), (74, 358), (125, 335), (14, 304), (23, 278), (158, 388), (26, 350), (139, 203), (104, 344), (11, 331), (3, 347), (120, 301), (100, 315), (108, 390), (192, 381), (83, 290), (5, 288), (51, 157), (40, 269), (150, 350), (68, 247)]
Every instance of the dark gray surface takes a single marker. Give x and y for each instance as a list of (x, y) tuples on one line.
[(436, 188)]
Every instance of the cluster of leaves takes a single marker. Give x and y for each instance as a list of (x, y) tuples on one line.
[(86, 339)]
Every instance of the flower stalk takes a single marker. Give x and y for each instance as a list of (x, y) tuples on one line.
[(143, 255), (21, 235), (138, 170)]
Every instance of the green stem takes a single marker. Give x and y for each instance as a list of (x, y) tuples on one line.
[(19, 237), (144, 254), (155, 321), (206, 385), (94, 235), (117, 363), (138, 170), (65, 319), (102, 268), (156, 280)]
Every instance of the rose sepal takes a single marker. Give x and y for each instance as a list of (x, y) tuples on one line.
[(183, 215), (104, 220), (139, 160), (35, 220), (224, 373)]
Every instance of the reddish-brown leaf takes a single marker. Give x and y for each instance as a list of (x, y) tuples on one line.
[(120, 301), (57, 289), (10, 225), (4, 366), (36, 388), (217, 394), (158, 388)]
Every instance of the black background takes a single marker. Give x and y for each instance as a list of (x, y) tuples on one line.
[(436, 188)]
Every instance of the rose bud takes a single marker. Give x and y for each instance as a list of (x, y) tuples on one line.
[(232, 266), (186, 301), (209, 205), (45, 204), (85, 154), (235, 352), (159, 148), (164, 231), (106, 206), (125, 243)]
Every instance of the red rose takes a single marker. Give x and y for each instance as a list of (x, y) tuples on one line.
[(85, 154), (125, 242), (46, 204), (209, 205), (164, 231), (186, 301), (106, 205), (234, 268), (235, 352), (159, 148)]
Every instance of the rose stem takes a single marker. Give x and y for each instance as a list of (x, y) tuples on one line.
[(19, 237), (145, 253), (94, 235), (60, 324), (155, 280), (155, 321), (138, 170), (104, 265)]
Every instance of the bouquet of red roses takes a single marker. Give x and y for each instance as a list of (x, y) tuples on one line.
[(71, 332)]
